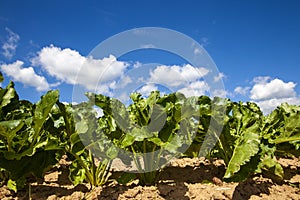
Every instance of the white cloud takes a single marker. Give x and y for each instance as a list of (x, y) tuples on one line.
[(219, 93), (269, 93), (27, 76), (10, 46), (147, 89), (269, 105), (242, 90), (276, 88), (261, 79), (177, 75), (219, 77), (102, 89), (124, 81), (196, 88), (69, 66)]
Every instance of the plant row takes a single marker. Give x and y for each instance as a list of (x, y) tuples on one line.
[(148, 132)]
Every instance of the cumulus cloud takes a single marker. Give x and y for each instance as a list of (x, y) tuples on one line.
[(107, 75), (124, 81), (269, 105), (219, 93), (269, 93), (9, 47), (261, 79), (196, 88), (219, 77), (27, 76), (177, 75), (69, 66), (242, 90), (276, 88), (146, 89)]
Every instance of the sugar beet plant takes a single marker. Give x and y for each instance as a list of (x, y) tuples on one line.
[(84, 142), (148, 132), (27, 142), (250, 141), (33, 137), (152, 130)]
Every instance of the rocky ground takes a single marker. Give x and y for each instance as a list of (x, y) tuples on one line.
[(184, 179)]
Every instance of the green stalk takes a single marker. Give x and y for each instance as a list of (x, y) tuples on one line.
[(287, 139), (93, 170), (135, 160), (82, 164), (152, 156), (159, 154), (102, 172), (9, 145), (226, 159), (145, 153)]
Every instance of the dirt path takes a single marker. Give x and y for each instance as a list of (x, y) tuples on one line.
[(184, 179)]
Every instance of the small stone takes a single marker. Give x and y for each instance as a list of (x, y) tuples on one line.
[(131, 193), (52, 197), (293, 167), (217, 181)]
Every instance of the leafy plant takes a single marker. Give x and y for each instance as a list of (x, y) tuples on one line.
[(250, 141), (149, 132), (280, 137), (85, 141), (27, 144), (152, 129)]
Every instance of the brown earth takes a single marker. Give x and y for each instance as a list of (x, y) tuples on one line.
[(184, 179)]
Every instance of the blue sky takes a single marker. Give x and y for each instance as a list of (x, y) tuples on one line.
[(254, 44)]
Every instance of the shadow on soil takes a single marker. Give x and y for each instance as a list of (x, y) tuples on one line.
[(44, 191), (246, 189)]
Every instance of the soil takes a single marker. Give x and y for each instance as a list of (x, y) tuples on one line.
[(183, 179)]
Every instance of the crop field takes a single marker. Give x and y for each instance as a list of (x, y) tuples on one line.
[(181, 148)]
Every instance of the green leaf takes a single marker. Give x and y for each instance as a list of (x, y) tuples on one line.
[(173, 145), (36, 164), (272, 165), (16, 185), (245, 127), (76, 145), (42, 110), (287, 139), (157, 141), (12, 185), (158, 118), (112, 152), (127, 141), (140, 134), (8, 95), (9, 129), (67, 114), (282, 128), (246, 147), (77, 174)]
